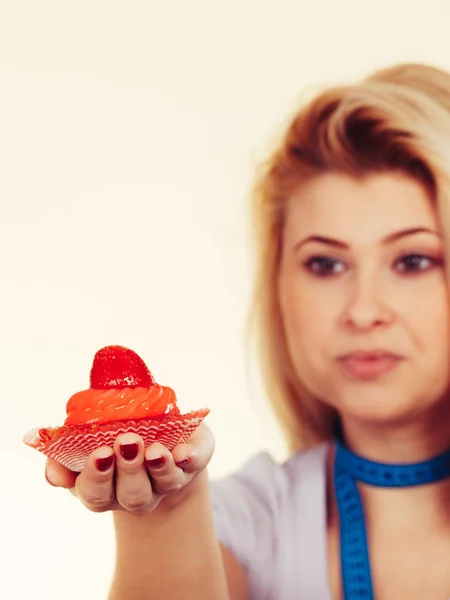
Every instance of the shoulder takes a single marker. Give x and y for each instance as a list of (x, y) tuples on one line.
[(262, 477), (255, 508)]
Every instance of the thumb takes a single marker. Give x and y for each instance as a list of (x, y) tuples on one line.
[(59, 476)]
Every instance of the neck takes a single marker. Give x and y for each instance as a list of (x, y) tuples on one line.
[(406, 443)]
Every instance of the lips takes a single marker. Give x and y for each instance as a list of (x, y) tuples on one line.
[(372, 364)]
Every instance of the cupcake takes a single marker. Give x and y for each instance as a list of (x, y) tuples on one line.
[(123, 397)]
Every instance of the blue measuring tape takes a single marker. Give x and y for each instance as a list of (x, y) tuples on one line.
[(350, 468)]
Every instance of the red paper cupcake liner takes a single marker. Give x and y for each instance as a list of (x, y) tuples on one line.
[(70, 446)]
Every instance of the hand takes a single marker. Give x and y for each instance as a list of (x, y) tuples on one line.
[(133, 478)]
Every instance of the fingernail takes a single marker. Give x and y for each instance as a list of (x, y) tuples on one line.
[(156, 463), (129, 451), (183, 463), (103, 464)]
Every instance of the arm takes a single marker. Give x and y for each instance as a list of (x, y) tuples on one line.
[(166, 544), (236, 577), (172, 552)]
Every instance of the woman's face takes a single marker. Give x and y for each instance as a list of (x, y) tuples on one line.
[(364, 297)]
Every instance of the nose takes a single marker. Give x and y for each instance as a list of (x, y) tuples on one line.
[(367, 306)]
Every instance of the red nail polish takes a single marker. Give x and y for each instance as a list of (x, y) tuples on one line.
[(103, 464), (129, 451), (156, 463), (183, 463)]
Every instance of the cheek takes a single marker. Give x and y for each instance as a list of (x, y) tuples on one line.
[(427, 317), (308, 325), (429, 328)]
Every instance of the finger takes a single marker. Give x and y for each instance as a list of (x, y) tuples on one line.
[(133, 487), (59, 476), (166, 476), (194, 455), (95, 484)]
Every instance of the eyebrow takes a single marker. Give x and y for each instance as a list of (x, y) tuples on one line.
[(392, 237)]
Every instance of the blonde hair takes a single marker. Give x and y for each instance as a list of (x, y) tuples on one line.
[(396, 119)]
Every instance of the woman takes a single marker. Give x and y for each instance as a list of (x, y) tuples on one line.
[(352, 213)]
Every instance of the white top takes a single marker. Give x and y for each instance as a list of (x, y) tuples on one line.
[(272, 517)]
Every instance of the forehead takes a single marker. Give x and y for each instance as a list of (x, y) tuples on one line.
[(359, 210)]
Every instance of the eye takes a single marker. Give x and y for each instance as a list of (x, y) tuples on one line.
[(324, 266), (413, 263)]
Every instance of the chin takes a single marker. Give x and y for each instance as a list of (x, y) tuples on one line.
[(379, 406)]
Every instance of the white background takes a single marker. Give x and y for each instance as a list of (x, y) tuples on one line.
[(129, 135)]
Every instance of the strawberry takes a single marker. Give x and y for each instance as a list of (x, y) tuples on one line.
[(119, 367)]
